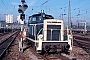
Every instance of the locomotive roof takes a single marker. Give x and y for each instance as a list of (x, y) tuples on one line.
[(46, 16)]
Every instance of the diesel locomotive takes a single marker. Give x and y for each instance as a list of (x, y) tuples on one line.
[(46, 34)]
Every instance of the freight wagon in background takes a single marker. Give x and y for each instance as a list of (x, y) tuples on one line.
[(47, 34)]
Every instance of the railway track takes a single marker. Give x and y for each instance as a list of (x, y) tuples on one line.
[(50, 56), (83, 43), (82, 37), (5, 36), (5, 44), (2, 34), (56, 57)]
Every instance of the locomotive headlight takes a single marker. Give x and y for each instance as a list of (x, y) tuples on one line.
[(41, 37)]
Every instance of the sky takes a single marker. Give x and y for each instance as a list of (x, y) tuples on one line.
[(80, 9)]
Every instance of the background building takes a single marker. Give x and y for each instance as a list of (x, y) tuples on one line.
[(9, 18)]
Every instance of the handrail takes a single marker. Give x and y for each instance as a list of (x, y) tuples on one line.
[(40, 31)]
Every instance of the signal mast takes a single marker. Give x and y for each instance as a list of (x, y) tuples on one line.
[(21, 10)]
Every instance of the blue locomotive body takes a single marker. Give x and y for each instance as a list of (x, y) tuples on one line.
[(36, 23)]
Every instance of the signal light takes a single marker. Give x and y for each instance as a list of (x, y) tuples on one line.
[(22, 16), (24, 7), (20, 10)]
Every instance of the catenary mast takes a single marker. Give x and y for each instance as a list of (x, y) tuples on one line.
[(69, 16)]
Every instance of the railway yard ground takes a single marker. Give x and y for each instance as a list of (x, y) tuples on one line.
[(29, 54)]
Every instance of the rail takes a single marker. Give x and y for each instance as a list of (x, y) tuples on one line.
[(83, 43), (6, 44)]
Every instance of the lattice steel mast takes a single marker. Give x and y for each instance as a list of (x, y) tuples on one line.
[(70, 22), (69, 16)]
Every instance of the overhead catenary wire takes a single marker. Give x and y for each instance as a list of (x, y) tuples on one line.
[(72, 3), (5, 6), (7, 9), (38, 7), (42, 4)]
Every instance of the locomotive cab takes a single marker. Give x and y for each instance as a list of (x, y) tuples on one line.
[(52, 39)]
